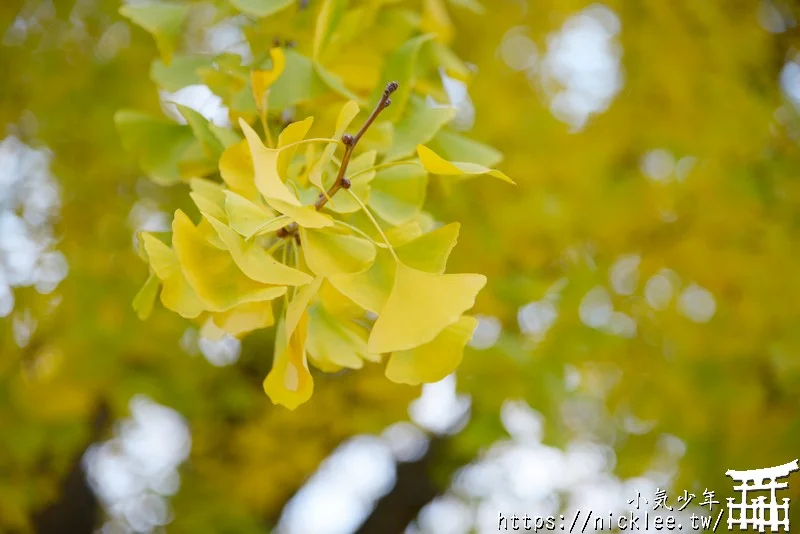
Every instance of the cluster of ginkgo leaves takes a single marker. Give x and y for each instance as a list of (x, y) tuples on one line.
[(323, 237)]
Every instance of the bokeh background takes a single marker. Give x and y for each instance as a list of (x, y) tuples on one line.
[(640, 329)]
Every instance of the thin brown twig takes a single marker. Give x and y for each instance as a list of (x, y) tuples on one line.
[(350, 142)]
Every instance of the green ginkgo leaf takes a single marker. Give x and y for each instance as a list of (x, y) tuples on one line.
[(202, 129), (163, 20), (369, 289), (456, 147), (401, 67), (212, 272), (176, 292), (398, 193), (329, 252), (180, 73), (418, 125), (435, 360), (420, 306), (429, 252), (329, 16), (254, 261), (158, 144)]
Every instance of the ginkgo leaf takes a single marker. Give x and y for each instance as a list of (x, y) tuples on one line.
[(265, 164), (335, 83), (176, 293), (346, 115), (201, 127), (245, 318), (289, 382), (261, 8), (293, 133), (254, 261), (299, 303), (180, 73), (435, 360), (146, 297), (398, 193), (209, 197), (328, 252), (435, 164), (361, 175), (236, 169), (400, 67), (369, 289), (250, 219), (299, 83), (429, 252), (329, 16), (305, 216), (158, 145), (262, 80), (456, 147), (421, 305), (330, 339), (161, 19), (212, 273), (418, 125), (436, 19)]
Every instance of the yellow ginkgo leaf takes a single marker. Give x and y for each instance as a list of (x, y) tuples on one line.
[(432, 361), (436, 164), (236, 169), (342, 343), (263, 79), (265, 163), (146, 297), (420, 306), (209, 197), (245, 318), (212, 273), (305, 216), (254, 261), (329, 252), (289, 382), (176, 293), (250, 219), (293, 133), (346, 115), (299, 303)]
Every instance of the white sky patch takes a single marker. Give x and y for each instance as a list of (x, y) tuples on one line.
[(134, 473), (342, 493), (30, 201), (790, 82), (199, 98), (440, 408), (658, 164), (581, 71), (697, 304), (486, 333)]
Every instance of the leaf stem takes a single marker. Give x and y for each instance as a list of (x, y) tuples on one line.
[(375, 223), (350, 142)]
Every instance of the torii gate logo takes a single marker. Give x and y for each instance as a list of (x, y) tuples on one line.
[(759, 513)]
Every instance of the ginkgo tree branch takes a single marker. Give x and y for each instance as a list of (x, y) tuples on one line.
[(350, 142)]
